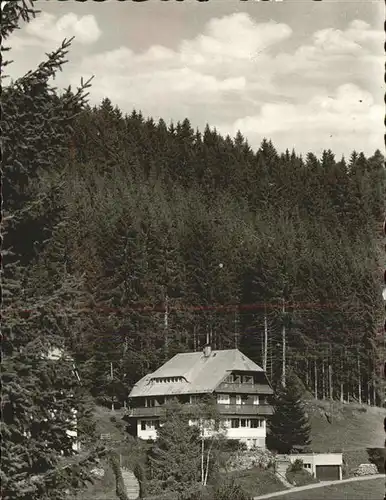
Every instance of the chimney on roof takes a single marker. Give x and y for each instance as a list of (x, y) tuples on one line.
[(207, 350)]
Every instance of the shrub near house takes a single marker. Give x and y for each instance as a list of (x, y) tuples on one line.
[(297, 475)]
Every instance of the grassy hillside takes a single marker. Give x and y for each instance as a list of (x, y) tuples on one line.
[(110, 424), (257, 481), (347, 426), (350, 428), (102, 489), (358, 490)]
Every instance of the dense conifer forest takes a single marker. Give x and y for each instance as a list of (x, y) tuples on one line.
[(183, 236)]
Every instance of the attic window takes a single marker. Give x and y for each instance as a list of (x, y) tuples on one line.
[(167, 380)]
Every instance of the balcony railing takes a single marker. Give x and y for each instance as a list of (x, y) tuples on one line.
[(243, 388), (246, 409), (224, 409), (152, 411)]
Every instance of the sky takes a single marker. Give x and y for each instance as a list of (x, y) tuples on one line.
[(307, 75)]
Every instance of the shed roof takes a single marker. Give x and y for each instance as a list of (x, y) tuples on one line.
[(201, 374)]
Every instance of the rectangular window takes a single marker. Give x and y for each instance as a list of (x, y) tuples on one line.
[(256, 422), (248, 379), (194, 399), (237, 379), (235, 423), (149, 402), (229, 379), (238, 399), (152, 424), (256, 400), (243, 422), (223, 399), (143, 425), (307, 466)]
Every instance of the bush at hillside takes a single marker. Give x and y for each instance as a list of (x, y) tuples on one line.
[(300, 477)]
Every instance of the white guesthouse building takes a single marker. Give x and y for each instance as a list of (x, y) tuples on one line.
[(239, 385)]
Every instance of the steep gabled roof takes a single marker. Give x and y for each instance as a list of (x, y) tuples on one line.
[(200, 374)]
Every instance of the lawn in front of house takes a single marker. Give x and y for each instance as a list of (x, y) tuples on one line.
[(373, 489), (256, 481)]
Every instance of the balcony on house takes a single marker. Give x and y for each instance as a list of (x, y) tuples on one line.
[(227, 404), (224, 409), (246, 409), (246, 384)]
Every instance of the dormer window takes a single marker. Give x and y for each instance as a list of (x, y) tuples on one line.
[(167, 380)]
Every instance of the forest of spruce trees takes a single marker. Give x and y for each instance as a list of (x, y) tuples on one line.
[(185, 236), (181, 236)]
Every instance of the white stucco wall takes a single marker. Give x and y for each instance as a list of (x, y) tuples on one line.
[(148, 433), (315, 459), (250, 436)]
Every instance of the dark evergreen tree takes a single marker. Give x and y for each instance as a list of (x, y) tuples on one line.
[(288, 426), (175, 458), (42, 399)]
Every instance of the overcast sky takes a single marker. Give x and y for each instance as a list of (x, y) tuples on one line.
[(305, 74)]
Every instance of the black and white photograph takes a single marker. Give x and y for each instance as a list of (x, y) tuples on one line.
[(193, 250)]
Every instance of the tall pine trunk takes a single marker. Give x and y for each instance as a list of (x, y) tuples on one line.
[(265, 344)]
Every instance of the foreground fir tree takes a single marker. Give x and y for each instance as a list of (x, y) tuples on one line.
[(174, 460), (43, 404), (184, 455), (288, 427)]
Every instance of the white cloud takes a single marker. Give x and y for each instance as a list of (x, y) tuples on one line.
[(335, 42), (347, 119), (334, 49), (238, 73), (50, 28), (232, 37), (361, 31), (213, 66)]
